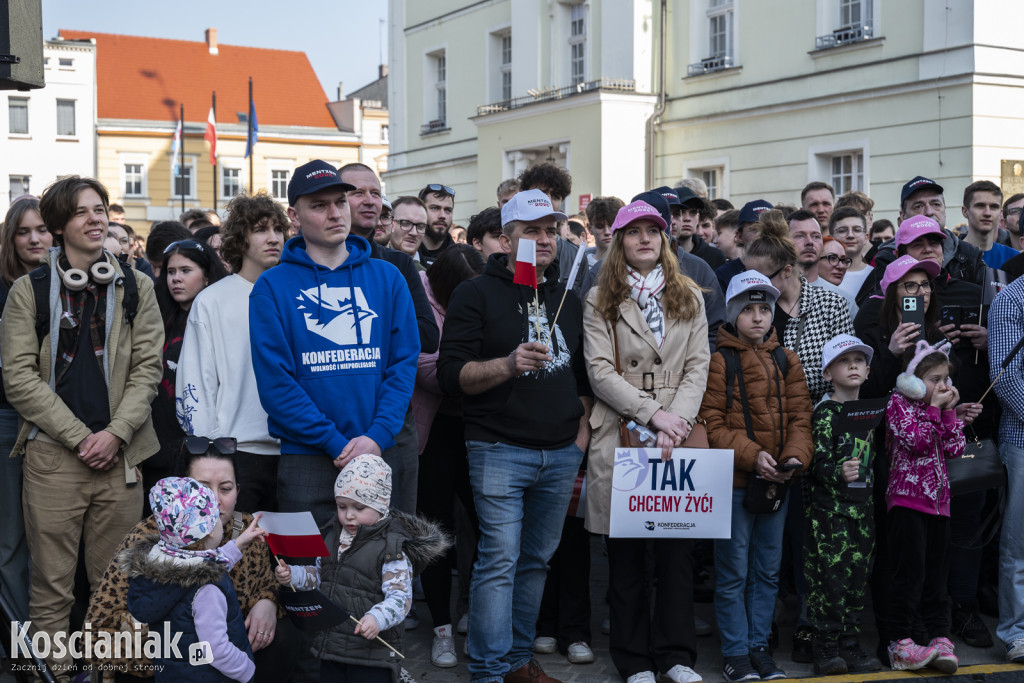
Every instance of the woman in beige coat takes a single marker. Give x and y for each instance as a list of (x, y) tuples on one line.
[(655, 316)]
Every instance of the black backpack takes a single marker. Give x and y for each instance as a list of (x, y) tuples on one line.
[(734, 372), (40, 279)]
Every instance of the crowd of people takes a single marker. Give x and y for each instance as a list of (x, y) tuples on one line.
[(364, 360)]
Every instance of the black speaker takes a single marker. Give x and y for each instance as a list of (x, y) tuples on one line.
[(21, 44)]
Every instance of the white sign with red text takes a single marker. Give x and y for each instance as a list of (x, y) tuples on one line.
[(689, 496)]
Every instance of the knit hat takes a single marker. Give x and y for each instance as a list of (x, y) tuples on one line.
[(367, 479), (748, 287), (185, 511)]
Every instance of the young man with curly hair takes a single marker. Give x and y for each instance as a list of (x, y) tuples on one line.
[(216, 385)]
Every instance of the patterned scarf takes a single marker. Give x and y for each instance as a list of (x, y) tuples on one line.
[(646, 292)]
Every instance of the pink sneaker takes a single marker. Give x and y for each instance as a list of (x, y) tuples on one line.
[(945, 661), (906, 655)]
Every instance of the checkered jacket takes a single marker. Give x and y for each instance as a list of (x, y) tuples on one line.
[(1005, 324), (824, 315)]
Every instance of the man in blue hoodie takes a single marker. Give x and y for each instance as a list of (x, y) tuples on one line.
[(334, 345)]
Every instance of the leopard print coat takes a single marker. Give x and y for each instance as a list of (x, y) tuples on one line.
[(253, 578)]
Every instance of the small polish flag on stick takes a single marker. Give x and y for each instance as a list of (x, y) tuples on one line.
[(526, 264), (293, 534)]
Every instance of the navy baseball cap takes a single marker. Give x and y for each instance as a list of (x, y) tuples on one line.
[(658, 201), (312, 177), (751, 210), (918, 183), (670, 196), (687, 197)]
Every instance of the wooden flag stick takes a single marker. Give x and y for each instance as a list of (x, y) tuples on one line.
[(536, 321), (381, 640), (290, 584)]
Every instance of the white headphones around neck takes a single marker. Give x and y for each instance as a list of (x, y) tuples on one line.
[(76, 279)]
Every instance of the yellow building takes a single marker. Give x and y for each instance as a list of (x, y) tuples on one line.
[(141, 84)]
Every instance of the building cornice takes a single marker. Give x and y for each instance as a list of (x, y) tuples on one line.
[(574, 102)]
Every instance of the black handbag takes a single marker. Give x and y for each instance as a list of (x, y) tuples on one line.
[(978, 469), (764, 496)]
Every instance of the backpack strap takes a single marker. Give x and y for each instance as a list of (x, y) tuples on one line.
[(734, 372), (131, 294), (779, 354), (40, 279)]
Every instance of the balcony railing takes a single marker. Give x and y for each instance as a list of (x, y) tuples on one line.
[(843, 36), (550, 94), (435, 126), (709, 65)]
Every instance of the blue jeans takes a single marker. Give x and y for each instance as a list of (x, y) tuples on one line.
[(13, 547), (521, 497), (1011, 548), (748, 577)]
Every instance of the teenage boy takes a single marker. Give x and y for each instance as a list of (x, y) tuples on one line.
[(484, 232), (687, 213), (983, 201), (837, 556), (216, 385), (82, 385), (850, 227), (746, 226), (334, 345)]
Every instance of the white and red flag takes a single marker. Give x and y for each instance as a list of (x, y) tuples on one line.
[(526, 264), (293, 534), (211, 135)]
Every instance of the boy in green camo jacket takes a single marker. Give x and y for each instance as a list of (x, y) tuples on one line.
[(837, 552)]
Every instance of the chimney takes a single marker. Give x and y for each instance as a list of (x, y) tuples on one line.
[(341, 90), (211, 40), (382, 71)]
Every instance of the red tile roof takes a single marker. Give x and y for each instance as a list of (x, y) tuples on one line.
[(146, 78)]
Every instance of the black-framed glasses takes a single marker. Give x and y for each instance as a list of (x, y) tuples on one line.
[(436, 187), (772, 276), (913, 287), (198, 445), (409, 226), (386, 218), (185, 244), (834, 260)]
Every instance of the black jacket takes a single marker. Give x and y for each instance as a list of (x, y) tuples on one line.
[(488, 317), (711, 255), (429, 334)]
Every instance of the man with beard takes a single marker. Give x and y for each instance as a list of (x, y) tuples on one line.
[(382, 234), (440, 203)]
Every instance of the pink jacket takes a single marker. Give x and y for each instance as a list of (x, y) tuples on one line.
[(920, 438), (426, 395)]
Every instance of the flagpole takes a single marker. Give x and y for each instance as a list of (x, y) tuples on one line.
[(215, 158), (181, 147), (249, 140)]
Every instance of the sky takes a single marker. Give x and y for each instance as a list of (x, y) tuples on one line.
[(342, 45)]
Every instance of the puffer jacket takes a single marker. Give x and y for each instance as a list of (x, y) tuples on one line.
[(920, 438), (726, 429)]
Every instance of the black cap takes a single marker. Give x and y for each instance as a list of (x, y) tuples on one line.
[(687, 197), (312, 177), (918, 183), (669, 194), (658, 201), (751, 210)]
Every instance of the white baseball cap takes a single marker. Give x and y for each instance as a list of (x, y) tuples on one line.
[(529, 205), (843, 343)]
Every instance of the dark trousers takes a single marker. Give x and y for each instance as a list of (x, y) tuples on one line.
[(919, 546), (837, 559), (965, 513), (565, 607), (336, 672), (403, 459), (882, 572), (306, 482), (640, 642), (257, 482), (443, 475)]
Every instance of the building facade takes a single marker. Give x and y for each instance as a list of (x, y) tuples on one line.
[(51, 132)]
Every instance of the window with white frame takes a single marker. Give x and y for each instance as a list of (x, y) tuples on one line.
[(577, 43), (134, 179), (505, 68), (710, 176), (385, 133), (66, 117), (185, 181), (19, 185), (846, 22), (441, 86), (66, 63), (847, 172), (17, 115), (720, 20), (279, 183), (231, 181)]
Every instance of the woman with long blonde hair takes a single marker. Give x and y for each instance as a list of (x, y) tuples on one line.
[(646, 345)]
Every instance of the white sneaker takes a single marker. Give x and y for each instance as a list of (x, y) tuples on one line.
[(406, 677), (442, 650), (545, 645), (580, 653), (642, 677), (681, 674), (463, 625), (1015, 651)]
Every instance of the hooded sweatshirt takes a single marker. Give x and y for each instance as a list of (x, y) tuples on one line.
[(488, 317), (334, 351)]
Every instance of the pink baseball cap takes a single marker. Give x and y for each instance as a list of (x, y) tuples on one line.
[(637, 211), (915, 227), (903, 265)]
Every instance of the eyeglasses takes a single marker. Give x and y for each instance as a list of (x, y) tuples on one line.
[(1013, 211), (913, 287), (198, 445), (409, 226), (772, 276), (434, 187), (845, 229), (185, 244), (834, 260), (386, 219)]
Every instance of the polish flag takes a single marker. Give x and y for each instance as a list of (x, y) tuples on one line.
[(293, 534), (526, 264), (211, 136)]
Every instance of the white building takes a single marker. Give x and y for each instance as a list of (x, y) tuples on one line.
[(51, 132)]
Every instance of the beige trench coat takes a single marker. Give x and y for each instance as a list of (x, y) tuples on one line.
[(679, 375)]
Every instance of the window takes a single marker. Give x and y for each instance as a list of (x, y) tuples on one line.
[(506, 67), (65, 117), (17, 108), (577, 44), (19, 185), (850, 21), (279, 184), (720, 29), (231, 181), (66, 63), (710, 178), (847, 172), (441, 84), (384, 133), (183, 181), (133, 180)]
